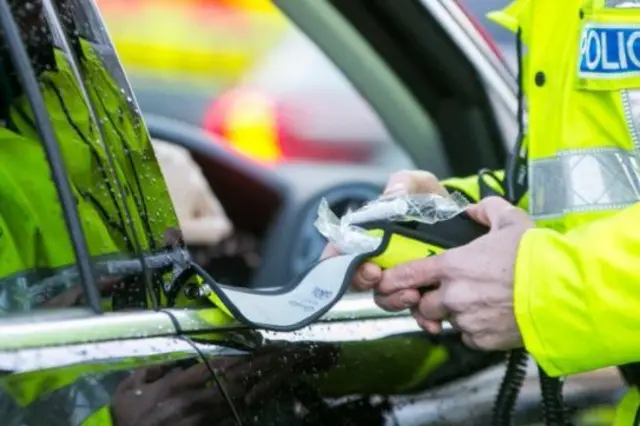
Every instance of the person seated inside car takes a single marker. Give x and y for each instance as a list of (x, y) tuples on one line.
[(203, 220)]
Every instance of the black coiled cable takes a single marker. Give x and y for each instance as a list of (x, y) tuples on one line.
[(553, 408), (510, 388)]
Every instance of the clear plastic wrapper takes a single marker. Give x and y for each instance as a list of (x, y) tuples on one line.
[(347, 237)]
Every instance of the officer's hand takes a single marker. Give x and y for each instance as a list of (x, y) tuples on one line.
[(403, 182), (471, 286)]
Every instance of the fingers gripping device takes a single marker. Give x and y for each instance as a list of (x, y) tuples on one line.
[(413, 227)]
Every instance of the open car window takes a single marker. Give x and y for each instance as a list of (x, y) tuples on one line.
[(116, 183), (43, 269)]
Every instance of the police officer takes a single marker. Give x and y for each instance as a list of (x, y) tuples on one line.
[(563, 280)]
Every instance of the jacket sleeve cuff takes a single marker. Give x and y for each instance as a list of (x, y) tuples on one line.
[(523, 294), (470, 186), (551, 304)]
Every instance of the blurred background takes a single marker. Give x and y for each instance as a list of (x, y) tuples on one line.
[(239, 69)]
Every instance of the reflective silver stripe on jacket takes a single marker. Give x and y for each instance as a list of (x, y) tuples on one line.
[(583, 181), (614, 4), (71, 405)]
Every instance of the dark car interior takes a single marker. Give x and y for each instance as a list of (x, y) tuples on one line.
[(273, 209)]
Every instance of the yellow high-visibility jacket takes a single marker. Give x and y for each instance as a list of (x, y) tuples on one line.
[(577, 280)]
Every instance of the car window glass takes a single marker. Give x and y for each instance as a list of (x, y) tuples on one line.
[(123, 129), (39, 268), (109, 181), (289, 89)]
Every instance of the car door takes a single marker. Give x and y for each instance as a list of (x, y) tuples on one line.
[(87, 236)]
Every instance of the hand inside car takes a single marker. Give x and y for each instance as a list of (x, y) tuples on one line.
[(369, 275), (163, 395)]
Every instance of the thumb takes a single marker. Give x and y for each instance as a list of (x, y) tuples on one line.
[(329, 251), (414, 182), (490, 211)]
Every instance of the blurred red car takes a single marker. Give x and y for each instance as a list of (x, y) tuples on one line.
[(295, 105)]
